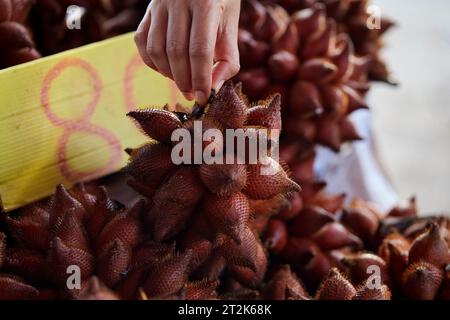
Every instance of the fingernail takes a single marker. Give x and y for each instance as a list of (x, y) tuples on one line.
[(188, 95), (219, 85), (200, 97)]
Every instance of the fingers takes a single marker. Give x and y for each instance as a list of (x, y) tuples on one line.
[(177, 49), (140, 37), (156, 41), (205, 24), (227, 51), (227, 56), (181, 40)]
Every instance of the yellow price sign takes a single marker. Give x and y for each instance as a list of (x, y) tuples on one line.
[(62, 118)]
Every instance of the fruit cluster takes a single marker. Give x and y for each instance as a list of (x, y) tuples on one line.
[(208, 231), (312, 63), (321, 56), (200, 221), (227, 231), (118, 258), (364, 24), (82, 228), (223, 206), (31, 28), (96, 21), (410, 254)]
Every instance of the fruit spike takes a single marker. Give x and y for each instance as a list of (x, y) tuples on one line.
[(307, 59), (366, 293), (226, 198), (423, 280), (123, 263), (50, 237), (412, 266), (336, 287), (285, 285)]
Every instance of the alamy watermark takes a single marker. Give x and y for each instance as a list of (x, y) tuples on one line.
[(74, 14), (237, 146), (73, 281), (374, 20), (374, 281)]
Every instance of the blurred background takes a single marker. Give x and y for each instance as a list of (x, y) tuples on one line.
[(412, 121)]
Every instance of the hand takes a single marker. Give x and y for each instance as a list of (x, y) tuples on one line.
[(193, 42)]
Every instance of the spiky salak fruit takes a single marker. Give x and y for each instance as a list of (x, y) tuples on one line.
[(363, 219), (58, 30), (14, 288), (215, 211), (80, 232), (80, 244), (431, 246), (404, 210), (411, 261), (94, 289), (416, 258), (366, 293), (311, 63), (315, 242), (285, 285), (428, 258), (362, 265), (16, 41), (421, 281), (365, 26), (336, 287)]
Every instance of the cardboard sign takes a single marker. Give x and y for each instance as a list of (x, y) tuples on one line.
[(63, 117)]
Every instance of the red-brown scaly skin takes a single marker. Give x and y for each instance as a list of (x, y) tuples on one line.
[(2, 248), (131, 266), (411, 259), (48, 237), (284, 285), (211, 210), (95, 290), (307, 57), (115, 263), (176, 246), (312, 64), (311, 53), (352, 18), (336, 287), (130, 251), (316, 239), (406, 266)]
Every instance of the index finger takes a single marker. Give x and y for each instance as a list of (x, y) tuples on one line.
[(205, 25)]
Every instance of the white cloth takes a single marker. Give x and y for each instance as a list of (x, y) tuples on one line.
[(357, 169)]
